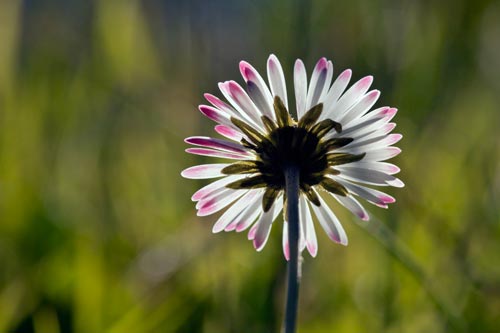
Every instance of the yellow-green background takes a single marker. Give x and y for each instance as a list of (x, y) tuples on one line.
[(97, 229)]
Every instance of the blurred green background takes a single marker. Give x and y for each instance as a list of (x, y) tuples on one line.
[(97, 229)]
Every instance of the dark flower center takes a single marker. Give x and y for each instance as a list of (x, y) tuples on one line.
[(286, 143), (295, 146)]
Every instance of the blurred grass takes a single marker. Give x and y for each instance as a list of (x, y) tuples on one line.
[(97, 231)]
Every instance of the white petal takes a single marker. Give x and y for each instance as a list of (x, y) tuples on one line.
[(276, 79), (248, 217), (370, 122), (330, 222), (375, 197), (334, 93), (351, 96), (257, 89), (328, 82), (214, 186), (217, 153), (204, 171), (217, 202), (384, 167), (264, 224), (263, 229), (300, 84), (308, 227), (220, 105), (229, 132), (353, 205), (220, 144), (318, 82), (215, 114), (370, 177), (284, 241), (372, 142), (361, 107), (228, 89), (382, 154), (248, 199)]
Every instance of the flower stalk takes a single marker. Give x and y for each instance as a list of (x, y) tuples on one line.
[(292, 181)]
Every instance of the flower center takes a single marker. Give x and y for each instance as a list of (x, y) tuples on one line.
[(302, 144), (292, 145)]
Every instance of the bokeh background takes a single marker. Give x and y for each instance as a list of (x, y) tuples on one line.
[(97, 229)]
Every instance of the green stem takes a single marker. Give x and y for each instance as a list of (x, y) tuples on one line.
[(292, 216)]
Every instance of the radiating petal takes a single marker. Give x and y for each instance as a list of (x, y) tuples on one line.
[(236, 209), (204, 171), (384, 167), (351, 96), (370, 177), (215, 114), (318, 82), (361, 107), (300, 85), (308, 227), (207, 142), (232, 94), (330, 222), (352, 205), (264, 225), (334, 93), (229, 132), (375, 197), (217, 153), (216, 203), (257, 89), (382, 154), (277, 79), (214, 186), (219, 104), (373, 141)]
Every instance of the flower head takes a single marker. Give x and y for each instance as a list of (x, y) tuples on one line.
[(337, 143)]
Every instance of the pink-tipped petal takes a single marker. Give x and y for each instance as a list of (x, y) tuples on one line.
[(228, 132), (214, 143), (351, 96), (330, 222), (382, 154), (253, 230), (257, 89), (367, 176), (361, 107), (286, 247), (375, 197), (337, 88), (353, 206), (227, 89), (219, 104), (217, 153), (229, 217), (309, 232), (214, 114), (218, 202), (204, 171), (214, 186), (384, 167), (263, 230), (318, 82)]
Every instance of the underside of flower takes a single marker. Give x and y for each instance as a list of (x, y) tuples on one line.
[(289, 143), (338, 145)]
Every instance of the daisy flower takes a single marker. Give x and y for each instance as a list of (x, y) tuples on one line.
[(336, 141)]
